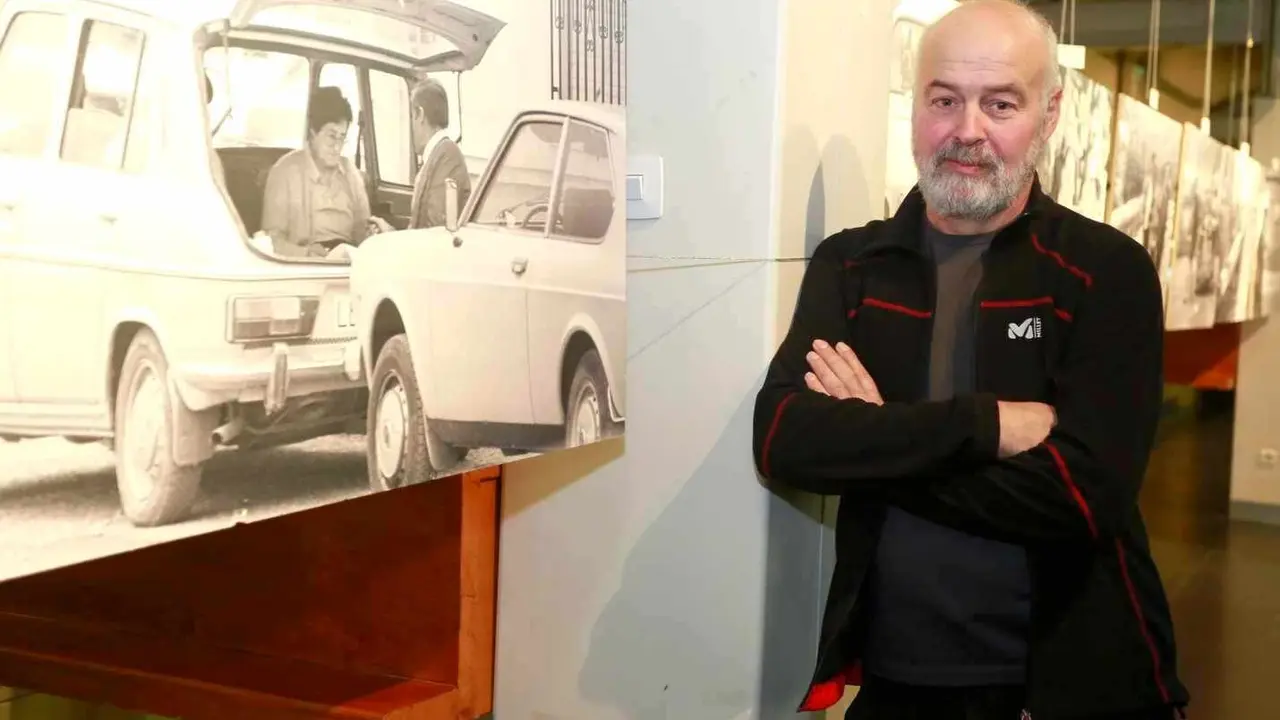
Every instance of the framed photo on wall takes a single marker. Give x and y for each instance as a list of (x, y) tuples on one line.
[(258, 256)]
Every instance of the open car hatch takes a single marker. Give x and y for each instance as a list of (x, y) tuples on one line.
[(468, 33)]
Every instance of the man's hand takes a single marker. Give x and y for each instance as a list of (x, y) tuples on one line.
[(379, 225), (1024, 425), (342, 251), (837, 372)]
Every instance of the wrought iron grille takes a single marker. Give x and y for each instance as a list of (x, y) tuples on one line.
[(589, 50)]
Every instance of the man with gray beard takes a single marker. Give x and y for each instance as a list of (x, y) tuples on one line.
[(979, 379)]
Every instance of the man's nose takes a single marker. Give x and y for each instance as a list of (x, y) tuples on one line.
[(972, 125)]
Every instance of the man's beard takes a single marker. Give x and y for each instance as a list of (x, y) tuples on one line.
[(975, 197)]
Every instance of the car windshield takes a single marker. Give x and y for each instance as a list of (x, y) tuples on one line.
[(258, 97)]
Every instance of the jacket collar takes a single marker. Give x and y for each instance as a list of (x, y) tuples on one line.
[(904, 229)]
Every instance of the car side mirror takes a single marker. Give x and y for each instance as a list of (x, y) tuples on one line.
[(451, 205)]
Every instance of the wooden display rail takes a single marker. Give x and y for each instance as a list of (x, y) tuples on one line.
[(377, 607), (1203, 359)]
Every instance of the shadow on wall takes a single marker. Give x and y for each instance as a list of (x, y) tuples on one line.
[(690, 651), (695, 650)]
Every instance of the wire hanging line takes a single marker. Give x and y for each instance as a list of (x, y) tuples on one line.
[(697, 261)]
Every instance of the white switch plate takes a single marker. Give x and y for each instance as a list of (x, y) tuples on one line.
[(644, 187)]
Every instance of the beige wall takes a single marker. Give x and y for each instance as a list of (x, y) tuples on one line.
[(1255, 490)]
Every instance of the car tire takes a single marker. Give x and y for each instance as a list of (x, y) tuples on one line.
[(586, 416), (154, 489), (403, 450)]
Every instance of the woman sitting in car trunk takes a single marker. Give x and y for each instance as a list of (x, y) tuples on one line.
[(315, 201)]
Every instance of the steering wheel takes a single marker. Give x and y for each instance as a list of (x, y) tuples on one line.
[(534, 209)]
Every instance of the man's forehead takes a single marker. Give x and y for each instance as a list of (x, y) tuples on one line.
[(972, 62)]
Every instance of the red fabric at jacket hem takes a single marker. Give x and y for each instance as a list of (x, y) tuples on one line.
[(827, 693)]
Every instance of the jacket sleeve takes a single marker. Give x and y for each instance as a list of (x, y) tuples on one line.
[(824, 445), (1082, 483)]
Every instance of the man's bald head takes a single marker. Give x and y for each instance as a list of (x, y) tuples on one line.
[(986, 101), (1012, 22)]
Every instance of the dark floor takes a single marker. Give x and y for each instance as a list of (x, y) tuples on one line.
[(1223, 578)]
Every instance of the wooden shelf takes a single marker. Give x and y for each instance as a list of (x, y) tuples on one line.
[(378, 607)]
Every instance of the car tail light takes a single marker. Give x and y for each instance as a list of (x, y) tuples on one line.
[(272, 318)]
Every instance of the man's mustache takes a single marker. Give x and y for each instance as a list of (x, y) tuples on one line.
[(968, 155)]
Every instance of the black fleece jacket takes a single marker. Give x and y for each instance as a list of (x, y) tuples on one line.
[(1069, 312)]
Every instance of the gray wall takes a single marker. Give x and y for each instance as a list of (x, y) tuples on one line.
[(668, 582)]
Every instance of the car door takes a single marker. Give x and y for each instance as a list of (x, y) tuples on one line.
[(71, 248), (577, 282), (479, 300), (36, 50)]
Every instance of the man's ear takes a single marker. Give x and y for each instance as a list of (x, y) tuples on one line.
[(1053, 111)]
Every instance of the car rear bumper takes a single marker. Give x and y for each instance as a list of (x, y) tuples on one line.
[(270, 377)]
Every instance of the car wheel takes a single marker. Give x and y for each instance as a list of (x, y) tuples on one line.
[(402, 448), (154, 489), (587, 411)]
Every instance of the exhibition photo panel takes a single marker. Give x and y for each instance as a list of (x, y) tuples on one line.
[(1073, 168), (317, 249), (1205, 220), (1144, 177)]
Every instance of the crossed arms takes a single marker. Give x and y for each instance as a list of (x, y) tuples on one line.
[(973, 462)]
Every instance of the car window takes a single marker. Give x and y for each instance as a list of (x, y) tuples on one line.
[(585, 206), (259, 97), (519, 188), (343, 76), (391, 132), (32, 55), (102, 95)]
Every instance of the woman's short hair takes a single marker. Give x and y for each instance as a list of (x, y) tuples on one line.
[(327, 106)]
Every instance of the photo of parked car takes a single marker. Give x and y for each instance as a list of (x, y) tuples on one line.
[(262, 255)]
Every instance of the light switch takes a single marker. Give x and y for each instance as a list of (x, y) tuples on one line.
[(635, 187), (644, 187)]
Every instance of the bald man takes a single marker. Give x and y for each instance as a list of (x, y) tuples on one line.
[(978, 378)]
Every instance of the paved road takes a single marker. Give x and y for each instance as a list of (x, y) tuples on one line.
[(58, 501)]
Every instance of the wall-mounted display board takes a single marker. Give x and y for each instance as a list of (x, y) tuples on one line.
[(258, 256), (1239, 277), (1144, 176), (1073, 168), (910, 18), (1269, 266), (380, 607), (1205, 221)]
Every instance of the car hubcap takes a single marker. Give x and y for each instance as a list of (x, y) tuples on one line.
[(145, 422), (586, 420), (390, 428)]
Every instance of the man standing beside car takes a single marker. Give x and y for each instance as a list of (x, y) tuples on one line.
[(979, 379), (440, 156)]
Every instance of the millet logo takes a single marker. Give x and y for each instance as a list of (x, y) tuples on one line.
[(1027, 329)]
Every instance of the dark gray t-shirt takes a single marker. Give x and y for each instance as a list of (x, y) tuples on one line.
[(948, 608)]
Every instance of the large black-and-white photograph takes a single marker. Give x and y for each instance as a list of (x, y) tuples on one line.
[(1073, 168), (1238, 286), (1206, 220), (262, 255), (1144, 177), (1269, 264)]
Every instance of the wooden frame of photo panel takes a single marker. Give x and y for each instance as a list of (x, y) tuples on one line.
[(378, 607)]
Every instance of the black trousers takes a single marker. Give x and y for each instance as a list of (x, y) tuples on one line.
[(881, 699)]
